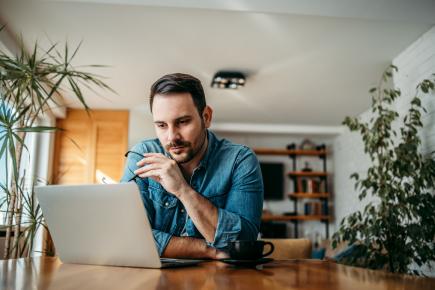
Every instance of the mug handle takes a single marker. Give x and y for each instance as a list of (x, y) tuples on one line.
[(272, 247)]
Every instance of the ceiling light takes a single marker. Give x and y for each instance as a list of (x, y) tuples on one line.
[(228, 80)]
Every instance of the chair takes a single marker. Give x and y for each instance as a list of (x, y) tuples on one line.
[(290, 248)]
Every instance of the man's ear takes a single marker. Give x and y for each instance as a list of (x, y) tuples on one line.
[(207, 116)]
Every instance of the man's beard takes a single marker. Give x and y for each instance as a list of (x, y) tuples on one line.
[(189, 154)]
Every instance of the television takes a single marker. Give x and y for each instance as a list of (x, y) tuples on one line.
[(273, 180)]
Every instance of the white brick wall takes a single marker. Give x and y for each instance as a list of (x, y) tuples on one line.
[(415, 63)]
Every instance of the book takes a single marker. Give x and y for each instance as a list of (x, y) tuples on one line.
[(314, 208)]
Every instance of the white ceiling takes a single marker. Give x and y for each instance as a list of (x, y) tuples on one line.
[(308, 62)]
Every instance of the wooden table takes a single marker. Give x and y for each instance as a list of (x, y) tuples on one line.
[(50, 273)]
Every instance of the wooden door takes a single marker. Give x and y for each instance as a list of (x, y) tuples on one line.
[(91, 147)]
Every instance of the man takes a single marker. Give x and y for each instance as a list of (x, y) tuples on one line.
[(200, 192)]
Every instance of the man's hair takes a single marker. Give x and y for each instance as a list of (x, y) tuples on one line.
[(179, 83)]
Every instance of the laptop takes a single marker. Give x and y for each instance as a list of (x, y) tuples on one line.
[(104, 224)]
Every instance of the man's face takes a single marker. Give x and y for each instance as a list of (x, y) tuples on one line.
[(179, 127)]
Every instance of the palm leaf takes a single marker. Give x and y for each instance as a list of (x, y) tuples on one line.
[(75, 51), (77, 92), (12, 153), (37, 129), (28, 84), (4, 145)]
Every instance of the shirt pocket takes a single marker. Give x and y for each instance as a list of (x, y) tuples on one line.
[(164, 204)]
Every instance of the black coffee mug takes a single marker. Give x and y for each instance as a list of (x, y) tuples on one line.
[(248, 250)]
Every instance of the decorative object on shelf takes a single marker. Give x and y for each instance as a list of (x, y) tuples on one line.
[(29, 85), (307, 144), (396, 229), (311, 185), (313, 208), (307, 167)]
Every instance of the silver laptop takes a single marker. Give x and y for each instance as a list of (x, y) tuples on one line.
[(101, 225)]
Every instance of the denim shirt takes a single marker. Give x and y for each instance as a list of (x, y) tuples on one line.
[(228, 176)]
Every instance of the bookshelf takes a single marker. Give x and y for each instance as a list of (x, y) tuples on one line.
[(273, 151), (276, 217), (307, 195), (310, 187), (307, 174)]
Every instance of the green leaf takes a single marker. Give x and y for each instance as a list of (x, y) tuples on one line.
[(77, 92), (38, 129), (416, 101), (28, 84), (4, 145), (355, 176), (400, 179)]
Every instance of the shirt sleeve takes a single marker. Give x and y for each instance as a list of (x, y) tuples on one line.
[(240, 218), (161, 238)]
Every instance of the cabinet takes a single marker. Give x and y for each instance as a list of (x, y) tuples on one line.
[(309, 186), (91, 146)]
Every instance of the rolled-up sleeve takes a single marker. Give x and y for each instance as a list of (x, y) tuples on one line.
[(161, 238), (240, 218)]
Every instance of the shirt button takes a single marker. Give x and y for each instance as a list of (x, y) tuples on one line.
[(182, 210), (166, 204)]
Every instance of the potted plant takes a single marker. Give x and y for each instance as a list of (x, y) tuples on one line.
[(396, 228), (29, 84)]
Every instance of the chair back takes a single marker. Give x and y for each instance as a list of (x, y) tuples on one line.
[(290, 249)]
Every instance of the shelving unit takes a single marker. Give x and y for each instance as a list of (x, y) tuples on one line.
[(307, 174), (307, 195), (273, 151), (269, 217), (297, 194)]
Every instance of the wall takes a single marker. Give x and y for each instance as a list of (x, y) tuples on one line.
[(140, 126), (415, 63)]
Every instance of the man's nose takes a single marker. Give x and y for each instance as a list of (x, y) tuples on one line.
[(173, 134)]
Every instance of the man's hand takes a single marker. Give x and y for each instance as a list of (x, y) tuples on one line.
[(163, 170), (217, 254), (221, 255), (166, 172)]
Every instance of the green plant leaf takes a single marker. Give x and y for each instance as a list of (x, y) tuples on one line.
[(29, 83), (37, 129), (397, 223)]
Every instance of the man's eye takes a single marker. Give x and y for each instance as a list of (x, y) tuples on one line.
[(161, 125)]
